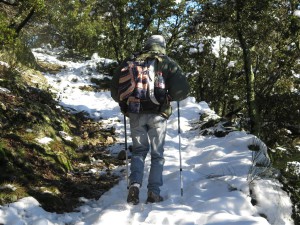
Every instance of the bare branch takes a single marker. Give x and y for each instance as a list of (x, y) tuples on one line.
[(25, 21)]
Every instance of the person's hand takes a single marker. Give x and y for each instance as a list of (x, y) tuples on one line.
[(125, 113), (123, 107)]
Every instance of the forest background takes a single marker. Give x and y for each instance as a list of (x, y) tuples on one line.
[(253, 81)]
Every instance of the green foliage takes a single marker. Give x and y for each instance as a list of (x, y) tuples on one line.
[(271, 54), (114, 29), (72, 24), (6, 34), (13, 18), (128, 23)]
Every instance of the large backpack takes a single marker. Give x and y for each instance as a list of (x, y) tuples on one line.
[(140, 84)]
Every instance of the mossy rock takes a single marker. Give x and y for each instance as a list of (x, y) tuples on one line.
[(11, 192), (49, 67), (64, 162), (48, 200)]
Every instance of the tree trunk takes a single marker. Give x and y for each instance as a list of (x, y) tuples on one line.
[(25, 21), (250, 78), (250, 86)]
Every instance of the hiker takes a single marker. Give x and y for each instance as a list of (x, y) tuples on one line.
[(148, 121)]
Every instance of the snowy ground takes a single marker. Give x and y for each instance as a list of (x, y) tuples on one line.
[(215, 170)]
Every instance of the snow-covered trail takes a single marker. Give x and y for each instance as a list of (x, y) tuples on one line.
[(215, 186)]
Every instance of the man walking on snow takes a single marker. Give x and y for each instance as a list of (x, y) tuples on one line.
[(148, 122)]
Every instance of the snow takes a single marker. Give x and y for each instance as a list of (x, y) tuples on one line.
[(44, 140), (4, 90), (297, 13), (4, 64), (215, 170), (219, 43)]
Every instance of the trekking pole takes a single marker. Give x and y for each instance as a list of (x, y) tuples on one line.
[(126, 153), (179, 146)]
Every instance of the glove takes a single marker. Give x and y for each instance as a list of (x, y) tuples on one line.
[(124, 108)]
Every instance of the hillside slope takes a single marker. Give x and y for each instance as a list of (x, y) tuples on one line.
[(45, 151)]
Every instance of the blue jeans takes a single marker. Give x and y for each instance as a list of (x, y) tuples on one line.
[(147, 130)]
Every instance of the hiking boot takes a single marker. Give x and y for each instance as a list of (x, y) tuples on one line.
[(121, 155), (133, 195), (152, 197)]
